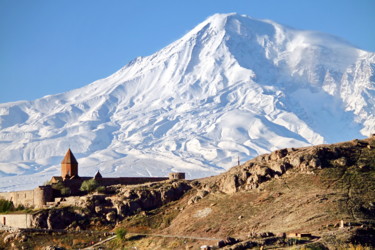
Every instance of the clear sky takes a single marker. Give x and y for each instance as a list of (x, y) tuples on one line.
[(52, 46)]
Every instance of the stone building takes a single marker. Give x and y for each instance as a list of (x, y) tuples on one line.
[(69, 165), (70, 179), (30, 198)]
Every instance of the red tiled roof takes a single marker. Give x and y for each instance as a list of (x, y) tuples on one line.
[(69, 158)]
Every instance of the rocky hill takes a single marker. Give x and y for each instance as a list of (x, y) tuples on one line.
[(327, 191)]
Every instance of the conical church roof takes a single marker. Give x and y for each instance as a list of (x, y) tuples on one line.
[(98, 175), (69, 158)]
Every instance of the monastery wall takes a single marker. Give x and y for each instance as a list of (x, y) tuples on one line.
[(16, 220), (25, 198), (129, 180), (29, 198)]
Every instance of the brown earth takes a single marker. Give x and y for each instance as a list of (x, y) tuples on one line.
[(306, 190)]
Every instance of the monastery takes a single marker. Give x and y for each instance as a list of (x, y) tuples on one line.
[(41, 195)]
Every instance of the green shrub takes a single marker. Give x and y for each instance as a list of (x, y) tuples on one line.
[(62, 188), (65, 191), (101, 189), (58, 185), (6, 206), (120, 234), (89, 185)]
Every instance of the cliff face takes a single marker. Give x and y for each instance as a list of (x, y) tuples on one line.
[(107, 209)]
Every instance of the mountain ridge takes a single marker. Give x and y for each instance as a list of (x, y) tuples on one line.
[(231, 87)]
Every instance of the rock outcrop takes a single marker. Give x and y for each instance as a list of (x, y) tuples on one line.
[(135, 199), (101, 209), (56, 218), (253, 173)]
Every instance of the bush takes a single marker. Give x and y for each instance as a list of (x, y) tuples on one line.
[(120, 234), (6, 206), (65, 191), (89, 185), (62, 188), (101, 189)]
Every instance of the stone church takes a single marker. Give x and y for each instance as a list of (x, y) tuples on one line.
[(70, 179)]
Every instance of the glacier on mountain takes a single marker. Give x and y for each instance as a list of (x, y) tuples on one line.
[(234, 86)]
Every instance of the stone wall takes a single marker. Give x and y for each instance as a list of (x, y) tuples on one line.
[(25, 198), (75, 184), (41, 195), (16, 220), (177, 176), (30, 198), (128, 180)]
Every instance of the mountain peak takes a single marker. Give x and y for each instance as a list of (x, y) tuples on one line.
[(218, 20), (224, 22), (232, 87)]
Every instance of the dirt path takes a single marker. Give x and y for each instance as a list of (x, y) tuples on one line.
[(154, 235), (100, 242), (176, 236)]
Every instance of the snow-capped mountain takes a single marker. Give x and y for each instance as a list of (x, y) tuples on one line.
[(232, 87)]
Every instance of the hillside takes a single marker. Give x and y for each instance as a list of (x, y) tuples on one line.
[(233, 86), (306, 190), (293, 190)]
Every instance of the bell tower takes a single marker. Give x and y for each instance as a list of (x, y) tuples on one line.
[(69, 165)]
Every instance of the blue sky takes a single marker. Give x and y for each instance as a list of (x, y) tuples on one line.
[(49, 47)]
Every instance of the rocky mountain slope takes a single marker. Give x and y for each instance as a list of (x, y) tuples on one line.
[(234, 86), (290, 190), (293, 190)]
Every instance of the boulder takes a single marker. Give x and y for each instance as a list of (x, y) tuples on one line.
[(111, 216), (9, 237), (229, 184), (194, 199), (227, 242), (98, 209), (202, 193), (278, 154), (55, 218)]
